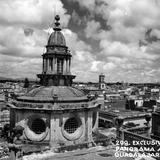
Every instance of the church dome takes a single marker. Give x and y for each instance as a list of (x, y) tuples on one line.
[(56, 38), (61, 93)]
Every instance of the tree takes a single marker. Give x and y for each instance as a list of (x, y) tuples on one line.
[(26, 83)]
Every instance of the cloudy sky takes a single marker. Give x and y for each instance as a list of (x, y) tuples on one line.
[(120, 38)]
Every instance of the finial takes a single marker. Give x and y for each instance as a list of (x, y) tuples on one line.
[(57, 18)]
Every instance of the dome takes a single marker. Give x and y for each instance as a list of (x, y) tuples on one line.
[(56, 38), (63, 93)]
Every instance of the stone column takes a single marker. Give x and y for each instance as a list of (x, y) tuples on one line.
[(119, 123), (46, 65), (52, 64), (55, 130), (67, 69), (43, 66), (148, 119), (69, 65), (88, 128), (64, 66), (49, 64), (55, 65)]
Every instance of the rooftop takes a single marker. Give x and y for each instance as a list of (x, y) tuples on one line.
[(95, 153), (57, 38), (60, 93)]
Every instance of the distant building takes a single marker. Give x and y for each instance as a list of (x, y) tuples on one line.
[(155, 93), (156, 125), (102, 84), (107, 118)]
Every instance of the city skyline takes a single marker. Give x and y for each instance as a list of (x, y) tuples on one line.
[(120, 39)]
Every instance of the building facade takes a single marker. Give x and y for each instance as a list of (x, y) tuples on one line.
[(55, 112), (156, 125)]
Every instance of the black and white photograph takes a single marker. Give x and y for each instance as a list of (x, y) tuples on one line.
[(79, 79)]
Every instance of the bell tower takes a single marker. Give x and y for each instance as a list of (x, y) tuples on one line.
[(56, 60), (101, 81)]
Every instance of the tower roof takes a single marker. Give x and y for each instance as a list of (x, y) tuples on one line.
[(57, 38)]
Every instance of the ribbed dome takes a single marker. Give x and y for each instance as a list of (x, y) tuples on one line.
[(48, 93), (56, 38)]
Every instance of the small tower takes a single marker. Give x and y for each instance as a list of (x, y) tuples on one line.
[(102, 84), (56, 60)]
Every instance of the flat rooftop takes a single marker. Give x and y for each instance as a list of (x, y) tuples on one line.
[(124, 113)]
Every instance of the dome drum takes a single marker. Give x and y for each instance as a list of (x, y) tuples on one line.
[(55, 106), (56, 127), (62, 55), (56, 79), (55, 49)]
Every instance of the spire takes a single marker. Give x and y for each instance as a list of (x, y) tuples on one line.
[(56, 60), (57, 23), (57, 38)]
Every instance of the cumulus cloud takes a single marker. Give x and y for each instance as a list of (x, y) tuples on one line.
[(93, 29), (83, 59), (23, 35), (37, 13), (28, 31), (16, 67), (74, 43), (16, 41), (76, 18), (121, 52), (89, 4), (130, 20)]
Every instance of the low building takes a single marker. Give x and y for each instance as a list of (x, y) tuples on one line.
[(107, 118), (156, 125)]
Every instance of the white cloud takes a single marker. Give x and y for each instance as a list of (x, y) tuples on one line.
[(37, 13), (23, 36), (129, 21), (92, 29), (15, 67), (74, 43), (24, 28), (14, 42), (89, 4)]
